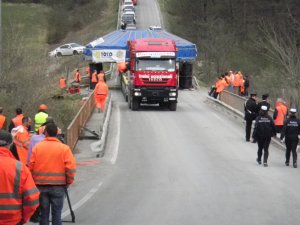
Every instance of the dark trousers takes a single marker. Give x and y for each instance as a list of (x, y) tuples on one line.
[(51, 196), (291, 146), (278, 129), (263, 145), (248, 129)]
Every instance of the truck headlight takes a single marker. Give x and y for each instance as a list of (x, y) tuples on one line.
[(137, 93), (172, 94)]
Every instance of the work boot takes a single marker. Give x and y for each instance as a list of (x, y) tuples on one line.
[(265, 164), (287, 163), (258, 161), (295, 165)]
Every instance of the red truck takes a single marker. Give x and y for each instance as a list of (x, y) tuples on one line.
[(152, 76)]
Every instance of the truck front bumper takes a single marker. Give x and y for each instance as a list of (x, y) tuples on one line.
[(155, 95)]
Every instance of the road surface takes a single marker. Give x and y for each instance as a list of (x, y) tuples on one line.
[(187, 167)]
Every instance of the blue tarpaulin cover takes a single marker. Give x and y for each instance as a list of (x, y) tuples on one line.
[(117, 40)]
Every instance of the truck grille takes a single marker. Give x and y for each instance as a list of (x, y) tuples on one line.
[(147, 81)]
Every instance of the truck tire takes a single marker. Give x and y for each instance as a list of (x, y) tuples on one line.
[(135, 104), (173, 106)]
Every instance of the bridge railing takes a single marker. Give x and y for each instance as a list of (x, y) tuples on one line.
[(73, 130)]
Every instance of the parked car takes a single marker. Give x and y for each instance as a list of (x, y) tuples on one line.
[(128, 10), (128, 18), (67, 49)]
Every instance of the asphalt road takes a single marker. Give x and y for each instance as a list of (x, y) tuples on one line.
[(191, 166), (187, 167)]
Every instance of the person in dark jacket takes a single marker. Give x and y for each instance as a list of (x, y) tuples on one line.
[(264, 101), (290, 132), (263, 131), (251, 112), (246, 85)]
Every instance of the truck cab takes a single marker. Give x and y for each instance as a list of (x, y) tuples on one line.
[(153, 75)]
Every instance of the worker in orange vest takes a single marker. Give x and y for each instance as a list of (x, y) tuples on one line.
[(53, 168), (87, 70), (101, 76), (100, 95), (62, 83), (236, 83), (2, 119), (16, 121), (221, 84), (19, 195), (77, 76), (241, 87), (21, 138), (94, 79), (122, 67), (279, 115)]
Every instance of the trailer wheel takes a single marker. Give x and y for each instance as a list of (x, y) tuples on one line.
[(173, 106), (135, 104)]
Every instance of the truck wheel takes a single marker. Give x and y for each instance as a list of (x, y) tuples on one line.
[(173, 106), (135, 104)]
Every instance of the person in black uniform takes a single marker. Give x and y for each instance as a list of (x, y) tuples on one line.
[(264, 101), (290, 131), (251, 112), (263, 131)]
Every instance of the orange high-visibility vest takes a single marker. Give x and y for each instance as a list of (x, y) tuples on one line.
[(17, 121), (52, 163), (281, 113), (2, 121), (94, 77), (237, 80), (101, 89), (19, 195), (101, 77), (62, 83), (22, 140), (78, 77)]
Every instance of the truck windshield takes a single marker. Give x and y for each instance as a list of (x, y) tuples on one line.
[(155, 64)]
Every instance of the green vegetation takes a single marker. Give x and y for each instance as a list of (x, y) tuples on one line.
[(28, 76), (258, 37)]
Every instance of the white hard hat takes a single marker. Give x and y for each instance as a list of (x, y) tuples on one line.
[(293, 110), (264, 108)]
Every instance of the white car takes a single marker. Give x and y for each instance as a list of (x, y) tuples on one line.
[(67, 49)]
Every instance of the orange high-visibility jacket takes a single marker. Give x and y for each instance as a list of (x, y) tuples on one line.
[(281, 113), (78, 77), (237, 80), (101, 77), (22, 140), (19, 196), (62, 83), (52, 163), (18, 120), (220, 85), (94, 77), (2, 121), (101, 89)]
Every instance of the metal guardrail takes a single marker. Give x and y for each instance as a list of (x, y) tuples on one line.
[(235, 101), (73, 130)]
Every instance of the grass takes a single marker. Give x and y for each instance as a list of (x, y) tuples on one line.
[(33, 75)]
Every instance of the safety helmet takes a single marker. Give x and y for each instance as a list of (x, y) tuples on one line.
[(43, 107)]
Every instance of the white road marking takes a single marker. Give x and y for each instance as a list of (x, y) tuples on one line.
[(116, 137), (82, 201)]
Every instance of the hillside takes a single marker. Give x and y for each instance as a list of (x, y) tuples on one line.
[(30, 30), (259, 37)]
